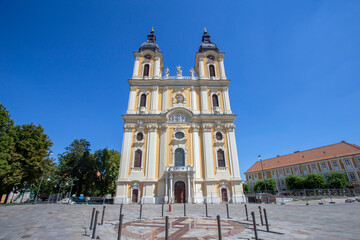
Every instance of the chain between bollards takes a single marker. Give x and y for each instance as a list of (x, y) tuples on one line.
[(92, 219), (254, 224), (120, 226), (95, 223), (227, 210), (266, 221), (184, 209), (246, 211), (102, 216), (219, 226), (261, 217), (206, 210), (166, 228), (140, 211)]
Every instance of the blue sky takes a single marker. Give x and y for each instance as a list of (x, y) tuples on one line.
[(294, 66)]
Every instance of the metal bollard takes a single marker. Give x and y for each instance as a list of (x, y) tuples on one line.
[(254, 224), (184, 209), (266, 221), (95, 223), (261, 217), (166, 228), (246, 211), (162, 210), (92, 219), (120, 226), (102, 216), (140, 211), (206, 210), (227, 210), (121, 206), (219, 226)]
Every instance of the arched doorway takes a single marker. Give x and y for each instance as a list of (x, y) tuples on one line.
[(224, 195), (135, 195), (179, 192)]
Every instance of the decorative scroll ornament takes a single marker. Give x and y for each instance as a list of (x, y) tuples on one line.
[(135, 185), (179, 118)]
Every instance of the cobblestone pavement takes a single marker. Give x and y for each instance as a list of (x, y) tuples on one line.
[(290, 221)]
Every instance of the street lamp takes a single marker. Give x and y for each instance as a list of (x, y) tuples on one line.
[(42, 177), (262, 170)]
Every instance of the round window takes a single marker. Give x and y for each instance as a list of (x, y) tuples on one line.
[(140, 136), (179, 135), (219, 136)]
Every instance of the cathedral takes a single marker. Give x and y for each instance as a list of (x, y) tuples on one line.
[(179, 141)]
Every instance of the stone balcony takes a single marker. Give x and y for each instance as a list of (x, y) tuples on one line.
[(180, 169)]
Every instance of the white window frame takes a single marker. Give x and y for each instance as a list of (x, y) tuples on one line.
[(142, 159), (225, 158)]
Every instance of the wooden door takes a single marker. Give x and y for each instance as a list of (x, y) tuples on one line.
[(180, 192), (135, 194), (224, 196)]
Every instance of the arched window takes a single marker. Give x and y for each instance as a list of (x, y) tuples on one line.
[(143, 100), (179, 157), (219, 136), (146, 70), (212, 70), (221, 158), (138, 156), (215, 100)]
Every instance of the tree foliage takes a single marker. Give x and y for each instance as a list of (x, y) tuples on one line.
[(246, 187), (294, 182), (337, 180), (314, 181), (270, 185)]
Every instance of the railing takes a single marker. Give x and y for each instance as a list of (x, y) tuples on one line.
[(180, 169), (179, 77), (136, 169)]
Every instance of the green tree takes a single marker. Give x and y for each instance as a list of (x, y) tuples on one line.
[(270, 185), (246, 187), (337, 180), (107, 166), (295, 182), (77, 162), (314, 181)]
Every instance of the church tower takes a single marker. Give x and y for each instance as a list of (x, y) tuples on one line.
[(179, 135)]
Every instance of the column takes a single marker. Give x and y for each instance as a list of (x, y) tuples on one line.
[(222, 68), (208, 152), (126, 149), (193, 99), (154, 100), (194, 192), (188, 192), (151, 151), (204, 100), (136, 67), (226, 100), (164, 99), (166, 189), (201, 67), (196, 150), (131, 103), (171, 188), (163, 148), (157, 66), (234, 161)]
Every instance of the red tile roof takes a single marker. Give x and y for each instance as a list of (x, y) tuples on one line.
[(327, 152)]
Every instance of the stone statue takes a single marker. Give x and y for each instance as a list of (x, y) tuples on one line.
[(179, 71), (167, 72), (192, 72)]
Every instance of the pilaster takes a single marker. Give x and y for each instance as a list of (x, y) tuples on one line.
[(164, 99), (234, 161), (196, 150), (208, 153), (222, 68), (163, 148), (126, 148), (136, 66), (151, 151), (193, 100), (131, 104), (226, 100), (204, 100), (154, 100)]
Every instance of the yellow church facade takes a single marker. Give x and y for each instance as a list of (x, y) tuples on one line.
[(179, 135)]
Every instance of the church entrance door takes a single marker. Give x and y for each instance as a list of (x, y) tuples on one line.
[(135, 194), (224, 196), (179, 192)]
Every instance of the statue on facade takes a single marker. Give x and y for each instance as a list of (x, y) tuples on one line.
[(192, 72), (179, 71), (167, 72)]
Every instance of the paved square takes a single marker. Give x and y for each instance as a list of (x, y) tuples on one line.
[(293, 220)]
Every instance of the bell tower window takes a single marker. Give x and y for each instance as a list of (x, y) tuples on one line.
[(143, 100), (215, 100), (221, 158), (138, 156), (146, 70), (212, 70)]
